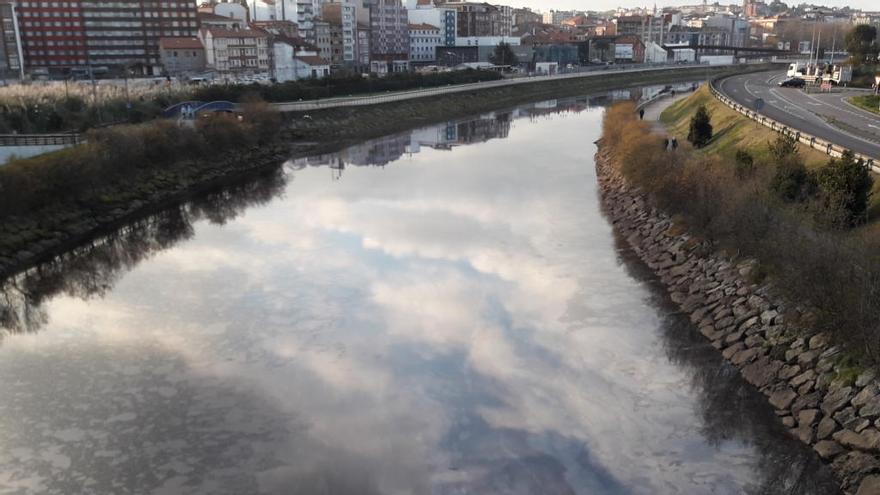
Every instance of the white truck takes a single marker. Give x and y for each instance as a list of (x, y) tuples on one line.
[(818, 74)]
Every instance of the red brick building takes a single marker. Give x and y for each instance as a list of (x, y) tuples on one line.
[(123, 33), (52, 37)]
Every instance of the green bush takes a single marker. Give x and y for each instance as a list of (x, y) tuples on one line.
[(844, 188), (700, 131)]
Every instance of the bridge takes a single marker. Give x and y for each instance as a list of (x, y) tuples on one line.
[(197, 107), (736, 49)]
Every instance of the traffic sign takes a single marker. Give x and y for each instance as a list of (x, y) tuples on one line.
[(759, 104)]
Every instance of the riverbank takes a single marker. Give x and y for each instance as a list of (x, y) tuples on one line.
[(44, 232), (797, 369)]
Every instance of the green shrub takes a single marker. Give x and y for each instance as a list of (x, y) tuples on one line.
[(791, 181), (700, 131), (845, 188), (745, 164)]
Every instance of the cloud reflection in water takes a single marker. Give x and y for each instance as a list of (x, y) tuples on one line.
[(458, 322)]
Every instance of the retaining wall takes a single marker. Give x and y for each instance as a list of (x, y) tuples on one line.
[(793, 367)]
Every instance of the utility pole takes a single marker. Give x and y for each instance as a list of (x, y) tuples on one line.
[(812, 43), (833, 45)]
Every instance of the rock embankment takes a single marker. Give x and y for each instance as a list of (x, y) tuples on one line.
[(837, 414)]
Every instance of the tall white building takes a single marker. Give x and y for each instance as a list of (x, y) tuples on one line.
[(423, 42), (443, 17), (302, 12)]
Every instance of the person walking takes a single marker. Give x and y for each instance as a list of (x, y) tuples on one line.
[(674, 144), (641, 114), (665, 144)]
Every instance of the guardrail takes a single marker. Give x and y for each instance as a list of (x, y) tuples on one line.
[(461, 88), (814, 142), (39, 139)]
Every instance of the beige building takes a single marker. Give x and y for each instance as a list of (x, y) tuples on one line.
[(182, 55), (236, 52)]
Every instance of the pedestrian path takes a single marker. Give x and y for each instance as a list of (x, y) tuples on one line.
[(656, 107)]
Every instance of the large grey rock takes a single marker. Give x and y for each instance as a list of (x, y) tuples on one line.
[(865, 378), (826, 427), (761, 372), (807, 417), (828, 449), (744, 356), (809, 401), (836, 400), (819, 341), (804, 434), (783, 398), (868, 440), (789, 371), (871, 409), (802, 378), (869, 486), (852, 464), (730, 351), (867, 395), (768, 316)]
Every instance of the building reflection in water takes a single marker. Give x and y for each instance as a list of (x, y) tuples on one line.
[(727, 409), (92, 269), (488, 126)]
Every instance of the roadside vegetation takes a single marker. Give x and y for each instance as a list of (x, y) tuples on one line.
[(116, 162), (79, 106), (806, 225), (870, 103)]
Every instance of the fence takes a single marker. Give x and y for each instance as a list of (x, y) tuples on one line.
[(814, 142), (39, 139), (461, 88)]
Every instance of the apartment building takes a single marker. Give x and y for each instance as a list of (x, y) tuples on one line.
[(344, 16), (442, 17), (61, 35), (128, 33), (10, 49), (236, 52), (53, 38), (423, 42), (182, 55), (476, 19), (389, 40)]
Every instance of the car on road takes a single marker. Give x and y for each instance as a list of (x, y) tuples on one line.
[(794, 82)]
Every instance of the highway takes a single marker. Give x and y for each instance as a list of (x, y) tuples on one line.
[(825, 115)]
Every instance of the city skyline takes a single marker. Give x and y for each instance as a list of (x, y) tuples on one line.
[(544, 5)]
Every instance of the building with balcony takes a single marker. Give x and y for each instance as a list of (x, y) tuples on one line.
[(235, 53)]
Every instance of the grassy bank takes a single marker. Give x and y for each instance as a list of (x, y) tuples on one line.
[(870, 103), (733, 132), (770, 208), (79, 106), (49, 203)]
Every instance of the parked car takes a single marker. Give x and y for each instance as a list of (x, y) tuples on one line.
[(794, 82)]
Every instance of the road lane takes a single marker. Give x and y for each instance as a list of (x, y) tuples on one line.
[(825, 115)]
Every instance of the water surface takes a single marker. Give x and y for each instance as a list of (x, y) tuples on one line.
[(444, 311)]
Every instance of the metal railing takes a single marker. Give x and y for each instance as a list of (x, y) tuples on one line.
[(39, 139), (351, 101), (815, 142)]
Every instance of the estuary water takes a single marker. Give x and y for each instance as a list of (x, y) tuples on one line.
[(444, 311)]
